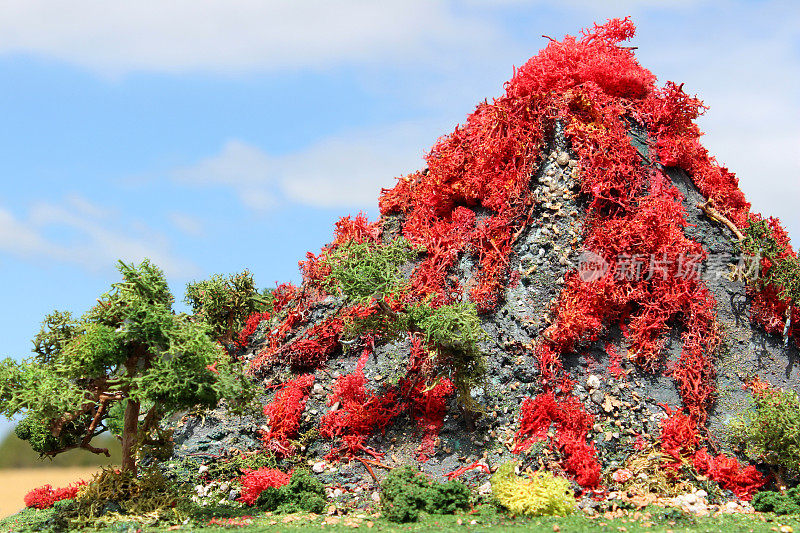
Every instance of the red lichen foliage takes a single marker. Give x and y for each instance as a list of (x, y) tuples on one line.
[(254, 482), (428, 407), (44, 497), (767, 308), (671, 114), (284, 413), (250, 327), (466, 468), (282, 295), (571, 423), (679, 438), (742, 481), (615, 364), (360, 414), (313, 349)]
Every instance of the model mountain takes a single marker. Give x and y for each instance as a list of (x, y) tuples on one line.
[(572, 281)]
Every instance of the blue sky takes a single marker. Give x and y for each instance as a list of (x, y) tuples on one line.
[(218, 135)]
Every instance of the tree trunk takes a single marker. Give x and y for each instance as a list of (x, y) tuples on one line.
[(129, 436)]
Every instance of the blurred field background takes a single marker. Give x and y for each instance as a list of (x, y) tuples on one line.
[(21, 469)]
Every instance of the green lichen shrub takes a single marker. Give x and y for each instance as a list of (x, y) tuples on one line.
[(784, 267), (454, 332), (225, 303), (125, 365), (541, 494), (778, 503), (769, 432), (114, 497), (365, 270), (405, 493), (303, 493)]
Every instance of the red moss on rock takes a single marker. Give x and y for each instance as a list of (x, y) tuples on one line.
[(284, 414)]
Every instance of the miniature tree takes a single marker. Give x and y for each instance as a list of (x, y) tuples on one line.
[(225, 303), (125, 365)]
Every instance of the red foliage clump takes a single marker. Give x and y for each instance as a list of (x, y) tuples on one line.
[(250, 327), (428, 407), (360, 414), (316, 345), (571, 423), (282, 295), (679, 437), (615, 364), (742, 481), (769, 306), (254, 482), (284, 412), (759, 387), (44, 497), (670, 117), (466, 468)]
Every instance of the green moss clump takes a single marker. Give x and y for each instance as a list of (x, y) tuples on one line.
[(225, 303), (540, 495), (363, 270), (303, 493), (405, 493), (770, 431), (775, 502), (454, 331), (784, 272)]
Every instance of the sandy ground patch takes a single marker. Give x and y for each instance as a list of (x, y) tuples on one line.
[(14, 484)]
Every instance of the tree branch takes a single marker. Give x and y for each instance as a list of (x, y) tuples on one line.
[(385, 307), (712, 213)]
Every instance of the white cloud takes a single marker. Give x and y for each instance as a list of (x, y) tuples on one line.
[(342, 171), (244, 168), (84, 234), (18, 238), (187, 224), (231, 35)]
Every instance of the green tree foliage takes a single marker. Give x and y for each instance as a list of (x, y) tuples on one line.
[(125, 365), (226, 302), (405, 493), (17, 453)]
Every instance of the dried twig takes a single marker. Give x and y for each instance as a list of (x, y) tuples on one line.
[(712, 213)]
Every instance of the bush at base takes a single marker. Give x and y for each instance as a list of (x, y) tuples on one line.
[(775, 502), (303, 493), (405, 493), (542, 494)]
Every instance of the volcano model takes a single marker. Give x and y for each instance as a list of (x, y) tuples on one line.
[(572, 281)]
